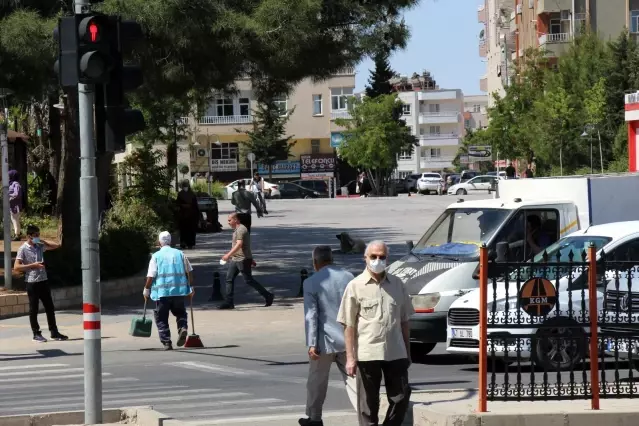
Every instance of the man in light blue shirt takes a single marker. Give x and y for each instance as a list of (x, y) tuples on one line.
[(323, 293)]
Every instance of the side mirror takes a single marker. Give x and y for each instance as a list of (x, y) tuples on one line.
[(410, 245)]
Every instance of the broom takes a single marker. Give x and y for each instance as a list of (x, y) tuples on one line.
[(193, 340)]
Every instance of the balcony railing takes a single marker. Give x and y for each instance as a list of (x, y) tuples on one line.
[(554, 38), (580, 17), (341, 114), (443, 113), (183, 121), (481, 14), (346, 71), (437, 160), (451, 135), (226, 119), (632, 98)]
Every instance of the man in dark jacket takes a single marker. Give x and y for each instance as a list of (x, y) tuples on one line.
[(242, 200), (188, 215)]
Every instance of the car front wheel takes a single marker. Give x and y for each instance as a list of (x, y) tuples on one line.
[(461, 192)]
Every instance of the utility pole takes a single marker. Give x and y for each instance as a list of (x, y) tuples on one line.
[(6, 213), (90, 250)]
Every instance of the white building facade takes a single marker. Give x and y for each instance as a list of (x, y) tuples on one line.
[(497, 45), (475, 112), (435, 117)]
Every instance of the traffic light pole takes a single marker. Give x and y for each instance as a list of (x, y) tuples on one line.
[(90, 251)]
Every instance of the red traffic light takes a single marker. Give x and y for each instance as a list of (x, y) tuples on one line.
[(90, 29), (93, 32)]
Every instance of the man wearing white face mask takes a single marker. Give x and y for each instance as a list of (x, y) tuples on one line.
[(375, 310)]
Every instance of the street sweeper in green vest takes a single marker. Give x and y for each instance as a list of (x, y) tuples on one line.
[(168, 284)]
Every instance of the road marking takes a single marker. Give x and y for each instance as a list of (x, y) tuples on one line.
[(220, 369), (257, 419), (109, 395), (118, 402), (28, 367), (77, 387), (28, 373), (35, 379), (67, 383)]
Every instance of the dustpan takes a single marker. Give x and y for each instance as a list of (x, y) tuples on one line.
[(141, 326), (193, 340)]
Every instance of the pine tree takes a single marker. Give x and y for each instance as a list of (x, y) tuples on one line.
[(379, 81)]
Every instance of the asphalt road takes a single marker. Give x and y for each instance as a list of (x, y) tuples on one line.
[(254, 365)]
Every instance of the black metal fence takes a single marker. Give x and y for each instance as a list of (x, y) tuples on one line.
[(538, 339)]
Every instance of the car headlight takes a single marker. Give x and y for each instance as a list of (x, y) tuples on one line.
[(501, 305), (425, 303), (316, 193)]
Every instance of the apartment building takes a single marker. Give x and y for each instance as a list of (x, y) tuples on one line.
[(496, 43), (475, 112), (214, 147), (434, 116)]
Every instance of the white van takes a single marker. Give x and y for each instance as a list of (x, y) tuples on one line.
[(443, 265)]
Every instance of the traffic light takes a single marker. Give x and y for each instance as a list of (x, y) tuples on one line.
[(85, 48), (120, 120)]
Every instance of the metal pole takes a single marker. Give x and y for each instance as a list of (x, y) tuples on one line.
[(90, 251), (210, 176), (600, 152), (6, 214), (591, 170)]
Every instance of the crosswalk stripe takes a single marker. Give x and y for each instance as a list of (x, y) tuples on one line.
[(78, 388), (201, 415), (128, 401), (168, 407), (108, 395), (257, 419), (219, 369), (30, 367), (30, 373), (67, 383), (34, 379)]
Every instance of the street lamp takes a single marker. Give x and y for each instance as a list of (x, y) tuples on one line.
[(6, 216)]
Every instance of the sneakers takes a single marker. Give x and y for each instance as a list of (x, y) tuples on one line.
[(226, 306), (39, 338), (167, 346), (269, 300), (182, 339), (309, 422), (59, 336)]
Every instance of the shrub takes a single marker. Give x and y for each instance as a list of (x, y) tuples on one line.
[(218, 189)]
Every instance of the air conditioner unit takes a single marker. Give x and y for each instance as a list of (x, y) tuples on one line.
[(565, 15), (519, 9), (201, 152)]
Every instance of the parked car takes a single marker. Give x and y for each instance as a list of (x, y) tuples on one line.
[(475, 185), (467, 175), (410, 182), (291, 190), (320, 186), (270, 190), (430, 182)]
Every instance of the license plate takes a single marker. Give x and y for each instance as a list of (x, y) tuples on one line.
[(621, 346), (462, 333)]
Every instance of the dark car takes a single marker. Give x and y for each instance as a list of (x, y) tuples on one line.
[(291, 190), (468, 175), (314, 185), (209, 220)]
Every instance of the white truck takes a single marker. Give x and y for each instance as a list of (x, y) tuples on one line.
[(443, 265)]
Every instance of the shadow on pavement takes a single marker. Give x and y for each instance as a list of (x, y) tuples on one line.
[(443, 359)]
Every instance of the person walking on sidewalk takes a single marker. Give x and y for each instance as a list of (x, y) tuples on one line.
[(324, 335), (257, 186), (168, 282), (240, 259), (30, 260), (375, 310), (242, 200)]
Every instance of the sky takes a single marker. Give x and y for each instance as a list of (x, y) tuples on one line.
[(445, 41)]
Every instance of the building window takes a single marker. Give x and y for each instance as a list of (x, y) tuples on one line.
[(422, 131), (224, 107), (476, 108), (315, 146), (245, 106), (433, 107), (225, 152), (467, 124), (555, 26), (431, 152), (405, 155), (339, 98), (281, 102), (318, 108), (406, 109), (435, 130), (634, 21)]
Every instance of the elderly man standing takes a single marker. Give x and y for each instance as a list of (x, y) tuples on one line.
[(375, 310), (168, 282), (323, 293)]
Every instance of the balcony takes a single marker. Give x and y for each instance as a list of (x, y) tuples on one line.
[(341, 114), (439, 139), (439, 117), (483, 84), (225, 119), (481, 14), (183, 121), (632, 98), (483, 48), (436, 163), (553, 6), (437, 95), (345, 71), (555, 44)]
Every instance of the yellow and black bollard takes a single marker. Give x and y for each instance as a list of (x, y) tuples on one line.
[(216, 296), (303, 276)]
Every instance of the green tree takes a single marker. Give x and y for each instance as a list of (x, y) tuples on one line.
[(374, 138), (595, 109), (379, 80), (267, 140)]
